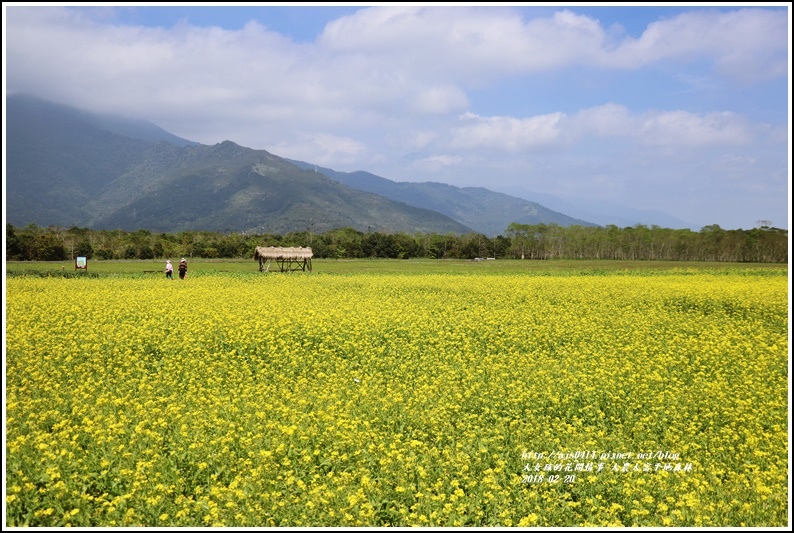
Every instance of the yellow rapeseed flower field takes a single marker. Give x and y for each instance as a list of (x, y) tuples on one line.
[(386, 399)]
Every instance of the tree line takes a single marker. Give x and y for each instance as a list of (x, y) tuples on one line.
[(763, 244)]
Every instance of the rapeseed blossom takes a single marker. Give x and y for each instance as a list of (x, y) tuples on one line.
[(434, 400)]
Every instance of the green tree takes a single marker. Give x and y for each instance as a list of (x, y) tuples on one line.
[(84, 249), (15, 249), (519, 237), (104, 253), (47, 247), (501, 245), (145, 252)]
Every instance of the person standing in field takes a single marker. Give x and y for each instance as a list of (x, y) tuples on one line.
[(169, 269), (182, 268)]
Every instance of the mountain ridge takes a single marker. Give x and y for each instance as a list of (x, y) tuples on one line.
[(489, 211), (65, 167), (71, 167)]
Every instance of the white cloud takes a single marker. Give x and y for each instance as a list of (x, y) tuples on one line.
[(384, 59), (412, 140), (321, 148), (606, 121), (437, 162), (468, 43), (682, 128), (507, 133), (464, 42), (438, 100), (745, 44), (673, 128)]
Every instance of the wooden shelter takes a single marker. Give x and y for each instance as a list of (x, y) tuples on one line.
[(288, 259)]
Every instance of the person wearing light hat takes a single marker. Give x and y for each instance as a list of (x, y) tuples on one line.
[(169, 269), (182, 269)]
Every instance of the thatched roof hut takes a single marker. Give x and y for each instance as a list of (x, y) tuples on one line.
[(283, 253)]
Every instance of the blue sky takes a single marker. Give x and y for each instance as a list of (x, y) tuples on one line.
[(675, 109)]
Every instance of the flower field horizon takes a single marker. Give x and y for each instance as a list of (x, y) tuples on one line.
[(634, 398)]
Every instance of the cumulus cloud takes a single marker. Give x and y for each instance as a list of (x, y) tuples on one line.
[(507, 133), (109, 66), (410, 59), (412, 140), (464, 41), (440, 100), (745, 44), (679, 128), (688, 129), (608, 120)]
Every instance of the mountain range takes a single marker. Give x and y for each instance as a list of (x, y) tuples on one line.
[(488, 211), (70, 167)]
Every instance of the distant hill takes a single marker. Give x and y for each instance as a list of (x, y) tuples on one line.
[(57, 159), (68, 167), (42, 116), (487, 211)]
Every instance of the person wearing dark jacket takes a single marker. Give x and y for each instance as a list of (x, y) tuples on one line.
[(182, 269)]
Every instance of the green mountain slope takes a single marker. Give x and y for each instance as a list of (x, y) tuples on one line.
[(67, 167), (56, 159), (229, 187), (486, 211)]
